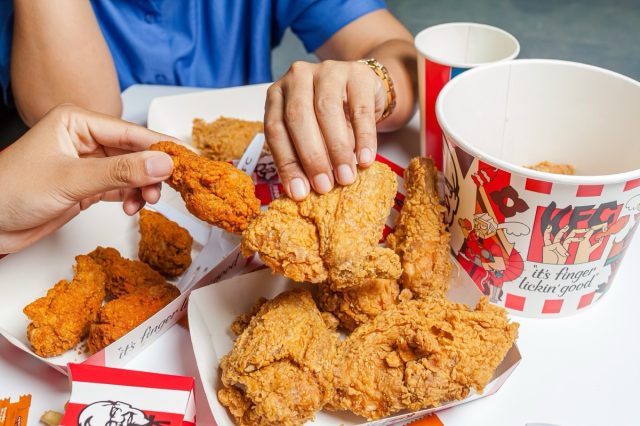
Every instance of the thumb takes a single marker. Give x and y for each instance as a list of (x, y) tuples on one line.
[(135, 170)]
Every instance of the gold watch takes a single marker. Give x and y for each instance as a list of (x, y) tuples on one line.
[(387, 83)]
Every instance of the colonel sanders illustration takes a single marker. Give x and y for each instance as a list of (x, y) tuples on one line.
[(112, 413)]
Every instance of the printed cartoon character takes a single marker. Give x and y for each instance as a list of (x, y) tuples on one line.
[(112, 413), (619, 248), (493, 258)]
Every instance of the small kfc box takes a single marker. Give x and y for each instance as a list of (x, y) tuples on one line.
[(102, 396)]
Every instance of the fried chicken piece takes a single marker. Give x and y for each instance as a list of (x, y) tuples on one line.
[(330, 237), (420, 237), (125, 276), (61, 319), (224, 139), (119, 316), (164, 245), (242, 321), (279, 372), (421, 353), (549, 167), (355, 306), (213, 191)]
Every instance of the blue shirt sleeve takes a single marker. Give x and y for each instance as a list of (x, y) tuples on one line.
[(315, 21), (6, 34)]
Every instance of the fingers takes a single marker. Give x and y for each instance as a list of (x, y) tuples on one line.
[(361, 90), (303, 129), (560, 234), (87, 128), (92, 176), (292, 176), (547, 235), (329, 99)]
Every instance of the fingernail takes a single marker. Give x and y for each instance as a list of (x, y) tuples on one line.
[(322, 183), (297, 189), (365, 156), (158, 165), (345, 174)]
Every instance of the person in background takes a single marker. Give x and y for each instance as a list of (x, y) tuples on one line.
[(69, 160), (319, 118)]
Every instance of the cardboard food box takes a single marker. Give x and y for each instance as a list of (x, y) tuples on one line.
[(212, 309), (105, 396), (27, 275)]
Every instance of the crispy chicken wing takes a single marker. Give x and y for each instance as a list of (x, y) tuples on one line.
[(332, 236), (164, 245), (213, 191), (420, 354), (125, 276), (119, 316), (279, 372), (420, 237), (224, 139), (60, 320), (357, 305)]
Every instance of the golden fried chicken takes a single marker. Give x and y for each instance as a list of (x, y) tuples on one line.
[(549, 167), (119, 316), (224, 139), (125, 276), (164, 245), (420, 237), (330, 237), (421, 353), (213, 191), (60, 320), (279, 372), (356, 305)]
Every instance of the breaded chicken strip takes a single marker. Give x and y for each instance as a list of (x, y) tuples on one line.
[(279, 372), (61, 319), (421, 353), (357, 305), (330, 237), (125, 276), (213, 191), (164, 245), (119, 316), (224, 139), (420, 237)]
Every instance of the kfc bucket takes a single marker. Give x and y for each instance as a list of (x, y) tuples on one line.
[(541, 244)]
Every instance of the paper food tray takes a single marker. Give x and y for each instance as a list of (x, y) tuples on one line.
[(27, 275), (212, 309)]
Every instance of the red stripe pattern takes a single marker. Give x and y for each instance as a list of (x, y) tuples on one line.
[(539, 186), (589, 190), (435, 77)]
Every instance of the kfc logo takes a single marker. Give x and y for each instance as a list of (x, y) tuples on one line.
[(110, 413)]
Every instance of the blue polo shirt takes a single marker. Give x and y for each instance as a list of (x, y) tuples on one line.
[(206, 43)]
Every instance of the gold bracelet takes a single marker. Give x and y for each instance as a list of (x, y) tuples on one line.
[(387, 82)]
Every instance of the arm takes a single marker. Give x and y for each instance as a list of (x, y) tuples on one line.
[(59, 55), (317, 116)]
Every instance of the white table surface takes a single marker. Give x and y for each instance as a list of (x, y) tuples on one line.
[(582, 370)]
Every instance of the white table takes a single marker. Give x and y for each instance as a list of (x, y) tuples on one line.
[(581, 370)]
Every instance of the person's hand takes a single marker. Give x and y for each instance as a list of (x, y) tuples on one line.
[(320, 118), (68, 161)]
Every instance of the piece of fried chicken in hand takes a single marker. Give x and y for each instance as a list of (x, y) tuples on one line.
[(421, 353), (119, 316), (125, 276), (213, 191), (61, 319), (164, 245), (420, 237), (331, 237), (356, 305), (280, 370)]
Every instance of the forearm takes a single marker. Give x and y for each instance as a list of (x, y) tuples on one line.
[(59, 55)]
